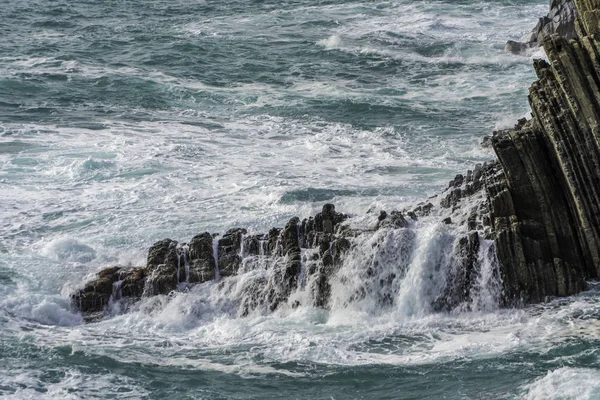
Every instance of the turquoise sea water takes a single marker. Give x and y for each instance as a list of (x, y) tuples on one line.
[(124, 122)]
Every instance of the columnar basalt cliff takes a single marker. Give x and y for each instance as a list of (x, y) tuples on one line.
[(513, 231), (544, 210)]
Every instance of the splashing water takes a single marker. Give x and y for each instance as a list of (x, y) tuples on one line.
[(215, 247)]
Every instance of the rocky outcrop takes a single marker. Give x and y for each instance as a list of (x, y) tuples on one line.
[(110, 284), (542, 200), (545, 205), (560, 20), (229, 251), (163, 267), (172, 266), (199, 261), (169, 265), (535, 212), (302, 256), (535, 232)]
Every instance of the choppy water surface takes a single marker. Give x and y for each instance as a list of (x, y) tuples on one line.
[(122, 123)]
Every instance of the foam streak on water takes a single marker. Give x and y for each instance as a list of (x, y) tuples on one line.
[(123, 123)]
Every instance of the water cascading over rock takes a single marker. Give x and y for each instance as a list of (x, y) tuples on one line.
[(411, 260), (513, 231)]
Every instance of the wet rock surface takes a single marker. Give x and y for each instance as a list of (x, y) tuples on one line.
[(560, 21), (172, 266), (545, 206), (111, 283), (201, 259), (162, 267), (229, 251)]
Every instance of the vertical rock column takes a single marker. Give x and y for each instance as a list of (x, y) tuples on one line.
[(162, 266), (203, 265), (545, 206)]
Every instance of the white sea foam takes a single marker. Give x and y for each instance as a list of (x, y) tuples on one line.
[(50, 65), (564, 384), (39, 308), (72, 384), (132, 175), (69, 249), (332, 42), (302, 336)]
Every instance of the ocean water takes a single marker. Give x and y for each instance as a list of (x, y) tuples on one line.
[(122, 123)]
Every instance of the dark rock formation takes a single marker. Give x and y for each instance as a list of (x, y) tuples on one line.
[(95, 295), (395, 220), (202, 264), (560, 20), (133, 283), (545, 206), (207, 258), (542, 204), (162, 267), (115, 282), (168, 265), (229, 251)]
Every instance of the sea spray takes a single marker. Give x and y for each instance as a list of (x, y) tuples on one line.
[(183, 264), (410, 272), (186, 263), (488, 288), (117, 292), (426, 272)]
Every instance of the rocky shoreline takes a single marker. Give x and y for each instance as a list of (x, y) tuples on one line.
[(539, 204), (560, 21)]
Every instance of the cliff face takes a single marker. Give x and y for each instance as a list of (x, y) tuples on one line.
[(545, 206), (560, 20), (532, 217)]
